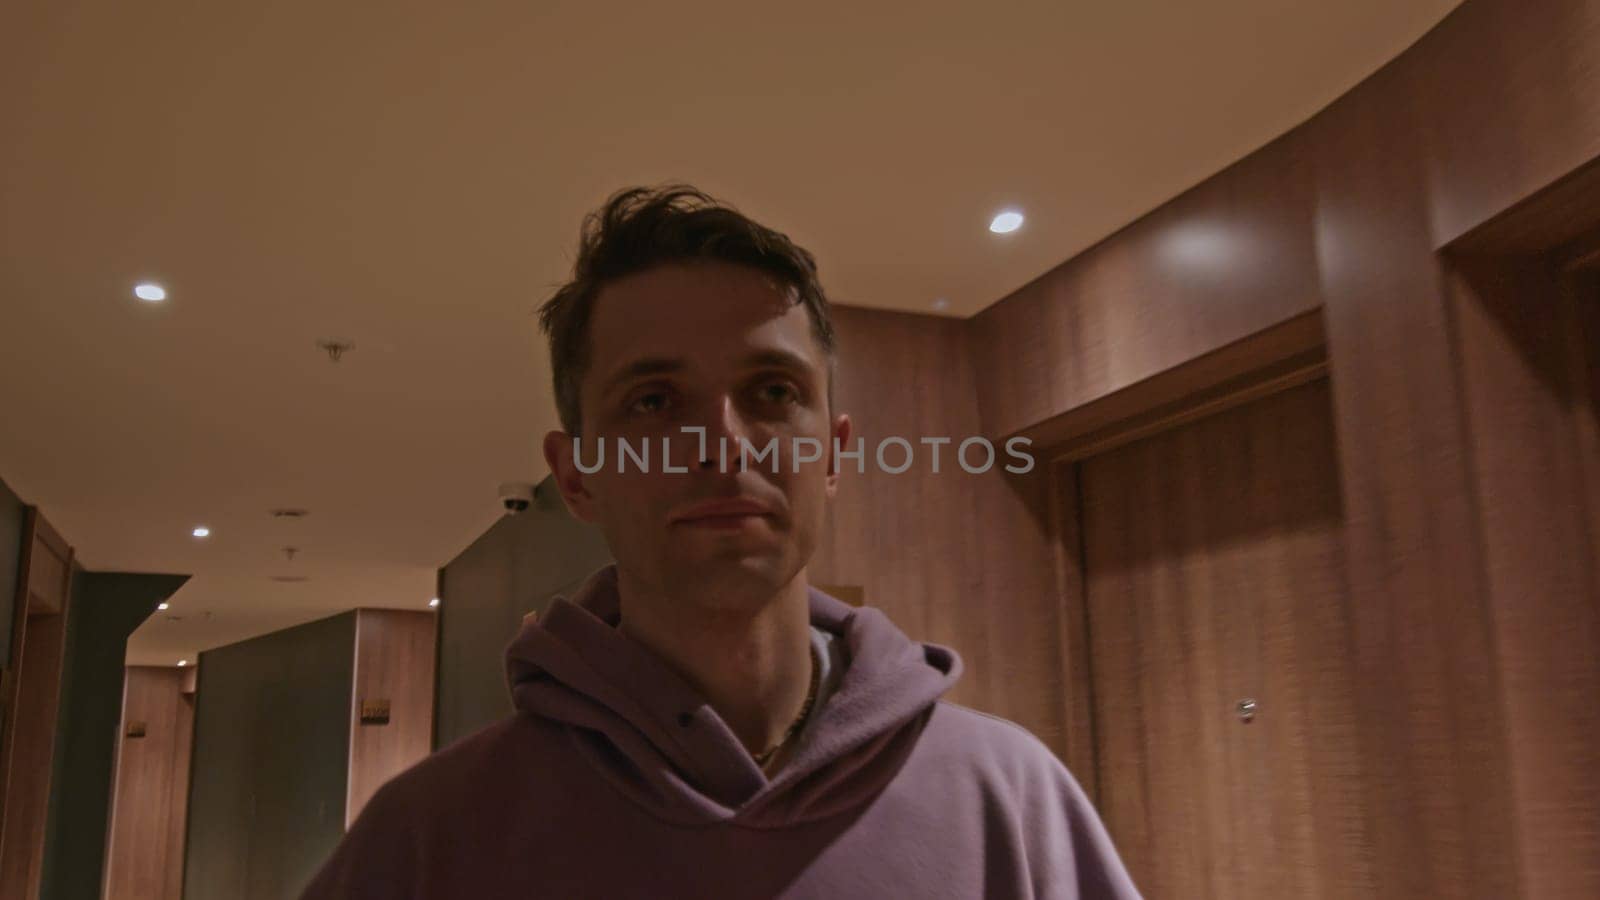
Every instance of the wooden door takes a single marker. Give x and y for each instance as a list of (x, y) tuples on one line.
[(1213, 571)]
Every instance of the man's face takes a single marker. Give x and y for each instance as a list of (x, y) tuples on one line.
[(726, 349)]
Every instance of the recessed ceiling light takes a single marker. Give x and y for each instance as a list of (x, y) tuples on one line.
[(1006, 222), (183, 662), (162, 605), (941, 303), (434, 602), (202, 531), (150, 292)]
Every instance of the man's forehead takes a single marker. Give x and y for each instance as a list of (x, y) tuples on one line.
[(693, 292), (696, 312)]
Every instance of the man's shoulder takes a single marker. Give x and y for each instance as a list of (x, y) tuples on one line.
[(1021, 780), (446, 795), (989, 744), (987, 731), (455, 773)]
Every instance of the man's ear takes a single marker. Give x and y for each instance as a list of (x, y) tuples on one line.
[(841, 440), (558, 449)]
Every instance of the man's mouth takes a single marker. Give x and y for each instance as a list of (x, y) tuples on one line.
[(722, 514), (722, 523)]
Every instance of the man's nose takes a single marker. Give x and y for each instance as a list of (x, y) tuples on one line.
[(726, 429)]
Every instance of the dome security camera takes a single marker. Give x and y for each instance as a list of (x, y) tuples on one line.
[(516, 496)]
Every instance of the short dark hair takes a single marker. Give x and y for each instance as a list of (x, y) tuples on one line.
[(643, 227)]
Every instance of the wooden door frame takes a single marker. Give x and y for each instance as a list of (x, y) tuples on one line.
[(22, 843)]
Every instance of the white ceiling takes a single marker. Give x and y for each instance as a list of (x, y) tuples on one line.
[(411, 176)]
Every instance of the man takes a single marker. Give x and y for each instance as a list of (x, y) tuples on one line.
[(698, 721)]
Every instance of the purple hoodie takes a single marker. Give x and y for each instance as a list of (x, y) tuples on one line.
[(615, 779)]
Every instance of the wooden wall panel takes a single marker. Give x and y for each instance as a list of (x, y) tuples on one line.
[(853, 594), (899, 536), (1509, 95), (394, 657), (1015, 593), (1428, 686), (1584, 288), (1231, 257), (1079, 738), (958, 559), (1527, 402), (144, 855)]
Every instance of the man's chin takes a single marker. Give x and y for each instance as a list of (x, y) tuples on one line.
[(733, 578), (713, 545)]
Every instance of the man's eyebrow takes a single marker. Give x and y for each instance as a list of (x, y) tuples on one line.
[(782, 359), (640, 368)]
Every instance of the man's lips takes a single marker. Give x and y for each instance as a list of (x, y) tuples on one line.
[(721, 513)]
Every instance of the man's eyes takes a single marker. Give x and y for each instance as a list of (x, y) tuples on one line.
[(780, 392), (649, 402)]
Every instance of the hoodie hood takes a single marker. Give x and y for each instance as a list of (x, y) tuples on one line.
[(657, 740)]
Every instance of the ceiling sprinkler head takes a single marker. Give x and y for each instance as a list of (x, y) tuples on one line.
[(335, 347)]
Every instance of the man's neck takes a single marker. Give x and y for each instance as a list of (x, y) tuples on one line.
[(752, 664)]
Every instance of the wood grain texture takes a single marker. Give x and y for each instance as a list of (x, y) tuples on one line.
[(394, 659), (144, 851), (1528, 403), (1230, 258), (957, 559), (1584, 342), (1077, 674), (1562, 215), (32, 705), (1508, 94), (1423, 636), (853, 594), (1214, 570), (1283, 356)]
